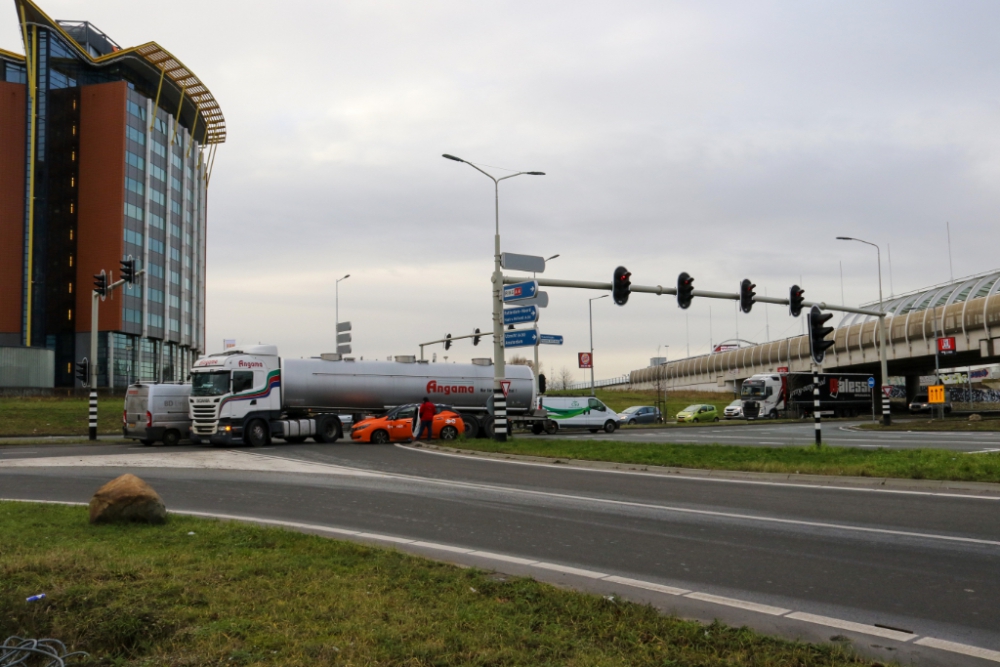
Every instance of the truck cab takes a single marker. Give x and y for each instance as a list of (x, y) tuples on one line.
[(763, 396)]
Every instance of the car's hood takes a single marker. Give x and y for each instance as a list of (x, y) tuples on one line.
[(369, 421)]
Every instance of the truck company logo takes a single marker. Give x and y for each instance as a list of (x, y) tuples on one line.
[(209, 362), (448, 389), (250, 364), (838, 385)]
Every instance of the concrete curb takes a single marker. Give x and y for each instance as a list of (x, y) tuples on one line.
[(988, 489)]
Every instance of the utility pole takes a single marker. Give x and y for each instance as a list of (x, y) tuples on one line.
[(590, 307)]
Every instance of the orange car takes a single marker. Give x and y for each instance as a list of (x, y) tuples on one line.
[(398, 424)]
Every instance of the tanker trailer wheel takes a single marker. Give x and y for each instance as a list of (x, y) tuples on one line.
[(327, 430), (256, 434), (448, 433), (537, 428), (471, 426), (380, 437)]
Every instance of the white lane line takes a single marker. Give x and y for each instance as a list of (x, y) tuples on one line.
[(19, 451), (739, 604), (720, 480), (930, 642), (841, 624), (985, 451), (955, 647)]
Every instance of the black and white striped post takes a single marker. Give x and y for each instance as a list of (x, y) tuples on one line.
[(886, 417), (817, 418), (93, 413), (499, 416)]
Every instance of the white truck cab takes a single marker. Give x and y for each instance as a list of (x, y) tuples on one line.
[(762, 396)]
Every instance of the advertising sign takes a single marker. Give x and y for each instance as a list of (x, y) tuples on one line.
[(946, 346), (228, 343), (725, 348), (586, 361)]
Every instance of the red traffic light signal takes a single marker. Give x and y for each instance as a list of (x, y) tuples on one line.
[(746, 295), (795, 300), (621, 286), (685, 288)]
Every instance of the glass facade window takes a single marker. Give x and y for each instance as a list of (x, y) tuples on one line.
[(16, 74), (175, 230), (157, 196), (135, 135), (160, 126), (133, 237), (132, 315), (156, 221), (175, 277), (133, 211), (158, 148), (174, 301), (155, 270), (134, 160), (156, 321), (175, 254), (155, 295), (175, 207), (156, 246), (175, 184), (157, 173), (175, 325), (135, 186), (176, 160), (136, 110)]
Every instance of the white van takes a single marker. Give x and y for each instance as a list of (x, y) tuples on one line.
[(157, 412), (580, 412)]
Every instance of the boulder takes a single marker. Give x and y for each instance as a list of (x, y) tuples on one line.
[(975, 418), (127, 498)]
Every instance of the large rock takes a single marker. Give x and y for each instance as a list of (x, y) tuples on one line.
[(127, 498), (975, 418)]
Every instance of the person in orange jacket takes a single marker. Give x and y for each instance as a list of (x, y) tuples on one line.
[(426, 413)]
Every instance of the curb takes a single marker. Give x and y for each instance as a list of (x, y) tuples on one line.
[(986, 489)]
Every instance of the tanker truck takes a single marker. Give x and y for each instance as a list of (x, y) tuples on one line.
[(250, 394)]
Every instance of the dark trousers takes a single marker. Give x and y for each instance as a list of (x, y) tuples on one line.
[(426, 426)]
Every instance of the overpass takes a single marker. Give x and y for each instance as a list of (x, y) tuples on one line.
[(968, 309)]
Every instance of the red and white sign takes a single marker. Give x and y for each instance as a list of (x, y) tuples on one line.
[(725, 348), (782, 369), (946, 345), (887, 390), (505, 386), (586, 361)]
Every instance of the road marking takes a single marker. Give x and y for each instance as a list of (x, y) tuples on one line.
[(985, 451), (15, 451), (636, 583), (589, 574), (852, 626), (955, 647), (739, 604)]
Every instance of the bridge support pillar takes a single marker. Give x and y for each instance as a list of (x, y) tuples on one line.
[(912, 387)]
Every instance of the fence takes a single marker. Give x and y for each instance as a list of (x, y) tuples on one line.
[(612, 382)]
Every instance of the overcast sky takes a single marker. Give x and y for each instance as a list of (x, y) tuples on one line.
[(727, 139)]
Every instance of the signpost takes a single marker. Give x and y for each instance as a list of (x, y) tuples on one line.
[(585, 359), (871, 383), (515, 262), (550, 339), (887, 391), (946, 346), (541, 300), (343, 337), (520, 338), (520, 291), (520, 315)]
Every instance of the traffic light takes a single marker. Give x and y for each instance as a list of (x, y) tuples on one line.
[(621, 285), (685, 287), (447, 342), (101, 284), (83, 371), (795, 300), (746, 295), (541, 383), (128, 270), (818, 332), (476, 338)]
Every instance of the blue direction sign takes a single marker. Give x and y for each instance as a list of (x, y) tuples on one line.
[(550, 339), (518, 291), (871, 383), (520, 315), (520, 338)]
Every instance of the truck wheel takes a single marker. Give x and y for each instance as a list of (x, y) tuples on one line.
[(610, 426), (327, 430), (537, 428), (551, 428), (171, 438), (773, 414), (487, 427), (257, 434), (380, 437), (448, 433), (471, 426)]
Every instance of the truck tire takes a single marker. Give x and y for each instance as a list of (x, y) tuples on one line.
[(551, 428), (471, 425), (327, 430), (380, 437), (256, 434), (537, 428), (171, 437), (610, 426)]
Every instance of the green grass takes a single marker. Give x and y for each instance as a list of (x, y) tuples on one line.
[(851, 461), (234, 594), (947, 424), (676, 400), (34, 415)]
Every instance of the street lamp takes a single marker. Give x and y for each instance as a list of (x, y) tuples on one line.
[(499, 366), (336, 304), (883, 358), (590, 307), (547, 260)]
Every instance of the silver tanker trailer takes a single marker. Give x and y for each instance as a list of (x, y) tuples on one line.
[(250, 394)]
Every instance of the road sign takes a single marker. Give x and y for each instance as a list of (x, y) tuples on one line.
[(520, 338), (946, 346), (550, 339), (871, 382), (344, 338), (541, 300), (935, 393), (519, 291), (586, 360), (505, 386), (343, 326), (520, 315), (887, 390), (343, 349), (514, 262)]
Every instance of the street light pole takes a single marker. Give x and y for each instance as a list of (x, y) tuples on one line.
[(336, 305), (499, 365), (590, 307), (883, 338)]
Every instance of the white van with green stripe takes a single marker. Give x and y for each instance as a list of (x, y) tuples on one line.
[(580, 412)]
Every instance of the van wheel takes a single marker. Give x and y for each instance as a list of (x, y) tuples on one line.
[(257, 434), (448, 433), (380, 437), (551, 428), (171, 438), (327, 430), (610, 426)]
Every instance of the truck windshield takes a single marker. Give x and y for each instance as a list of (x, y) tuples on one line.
[(752, 389), (214, 383)]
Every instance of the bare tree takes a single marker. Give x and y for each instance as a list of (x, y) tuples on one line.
[(518, 360), (565, 377)]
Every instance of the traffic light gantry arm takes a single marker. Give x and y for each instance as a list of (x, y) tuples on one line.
[(705, 294)]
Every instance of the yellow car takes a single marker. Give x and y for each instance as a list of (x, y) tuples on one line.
[(698, 413)]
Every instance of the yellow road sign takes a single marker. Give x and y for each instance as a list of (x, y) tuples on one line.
[(935, 394)]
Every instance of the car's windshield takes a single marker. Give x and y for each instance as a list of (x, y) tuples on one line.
[(691, 408), (752, 389), (634, 408), (213, 383)]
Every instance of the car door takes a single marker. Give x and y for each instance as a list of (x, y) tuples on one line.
[(401, 427), (646, 416), (598, 413)]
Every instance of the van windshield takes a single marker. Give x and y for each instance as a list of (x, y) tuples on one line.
[(213, 383)]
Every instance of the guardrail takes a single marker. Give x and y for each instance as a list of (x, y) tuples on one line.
[(622, 379)]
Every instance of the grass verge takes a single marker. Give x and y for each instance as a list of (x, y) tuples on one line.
[(236, 594), (49, 415), (849, 461)]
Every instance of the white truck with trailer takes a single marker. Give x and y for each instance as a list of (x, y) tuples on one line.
[(251, 394), (772, 395)]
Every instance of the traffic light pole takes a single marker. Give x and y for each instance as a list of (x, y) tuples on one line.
[(445, 340), (817, 417)]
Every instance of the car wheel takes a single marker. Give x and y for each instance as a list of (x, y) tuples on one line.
[(257, 434), (327, 430), (610, 426), (551, 428), (448, 433), (631, 422), (171, 438), (295, 439), (380, 437)]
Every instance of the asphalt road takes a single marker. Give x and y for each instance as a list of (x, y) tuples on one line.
[(920, 562), (839, 434)]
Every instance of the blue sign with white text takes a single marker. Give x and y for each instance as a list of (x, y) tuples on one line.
[(520, 315), (519, 291), (550, 339), (871, 382), (520, 338)]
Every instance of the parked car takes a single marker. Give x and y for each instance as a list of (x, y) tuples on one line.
[(399, 425), (920, 404), (579, 412), (734, 410), (698, 413), (157, 413), (640, 414)]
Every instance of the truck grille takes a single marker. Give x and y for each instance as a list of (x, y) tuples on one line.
[(205, 419)]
